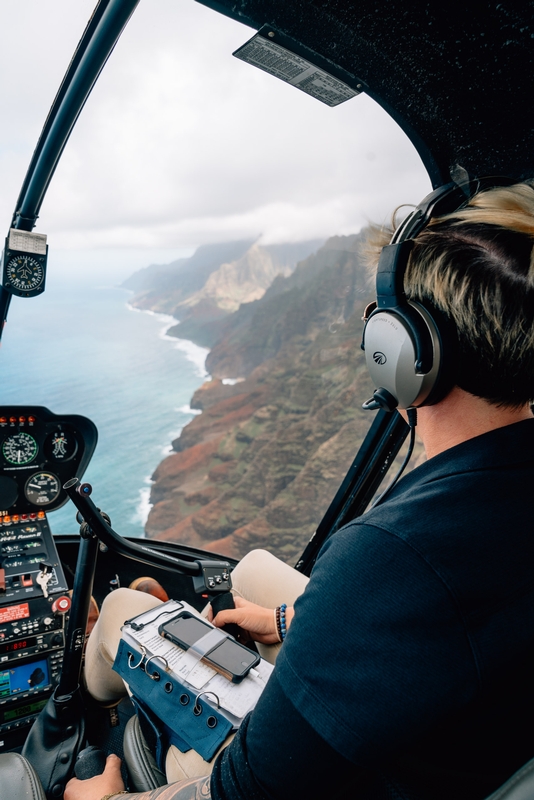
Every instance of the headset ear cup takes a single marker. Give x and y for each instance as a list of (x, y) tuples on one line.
[(390, 354), (393, 357), (446, 335)]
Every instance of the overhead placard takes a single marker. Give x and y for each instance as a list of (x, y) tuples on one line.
[(295, 70)]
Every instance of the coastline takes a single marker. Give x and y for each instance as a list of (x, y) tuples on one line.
[(194, 354)]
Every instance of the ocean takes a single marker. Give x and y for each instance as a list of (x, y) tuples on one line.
[(81, 349)]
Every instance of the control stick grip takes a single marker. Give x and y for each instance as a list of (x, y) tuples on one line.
[(90, 762), (221, 602)]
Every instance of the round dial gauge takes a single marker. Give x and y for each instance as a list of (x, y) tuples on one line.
[(42, 488), (60, 446), (25, 273), (20, 448)]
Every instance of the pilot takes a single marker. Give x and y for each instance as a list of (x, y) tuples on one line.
[(406, 671)]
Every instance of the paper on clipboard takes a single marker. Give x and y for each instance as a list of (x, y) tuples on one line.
[(236, 698)]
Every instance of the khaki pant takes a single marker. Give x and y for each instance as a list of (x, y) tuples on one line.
[(259, 577)]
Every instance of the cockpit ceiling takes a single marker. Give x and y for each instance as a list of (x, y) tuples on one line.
[(457, 78)]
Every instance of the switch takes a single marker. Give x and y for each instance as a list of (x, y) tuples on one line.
[(61, 605), (27, 580)]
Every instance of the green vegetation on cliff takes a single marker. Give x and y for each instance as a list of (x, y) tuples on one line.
[(260, 465)]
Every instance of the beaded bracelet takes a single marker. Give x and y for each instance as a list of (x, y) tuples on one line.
[(276, 621), (281, 621)]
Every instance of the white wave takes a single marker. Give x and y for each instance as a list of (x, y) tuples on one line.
[(170, 322), (194, 353), (188, 410), (144, 505), (168, 319), (231, 381), (130, 307), (168, 449)]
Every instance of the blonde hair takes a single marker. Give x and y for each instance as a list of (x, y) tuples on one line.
[(476, 266)]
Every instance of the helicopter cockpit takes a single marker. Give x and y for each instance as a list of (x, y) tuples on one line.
[(458, 88)]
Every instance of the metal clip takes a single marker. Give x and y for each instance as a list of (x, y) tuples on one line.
[(197, 708), (155, 675), (131, 658)]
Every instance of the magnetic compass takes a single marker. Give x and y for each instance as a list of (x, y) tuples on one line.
[(24, 274), (20, 448), (24, 260)]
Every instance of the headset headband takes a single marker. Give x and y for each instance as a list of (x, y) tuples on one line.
[(443, 200), (394, 256)]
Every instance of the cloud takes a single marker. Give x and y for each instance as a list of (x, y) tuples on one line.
[(181, 144)]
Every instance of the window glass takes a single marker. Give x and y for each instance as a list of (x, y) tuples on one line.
[(206, 284), (281, 417)]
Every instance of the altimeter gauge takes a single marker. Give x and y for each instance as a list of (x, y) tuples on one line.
[(20, 448), (42, 488)]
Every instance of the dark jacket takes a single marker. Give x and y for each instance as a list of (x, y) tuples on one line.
[(411, 654)]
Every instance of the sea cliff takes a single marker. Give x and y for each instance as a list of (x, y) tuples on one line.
[(259, 466)]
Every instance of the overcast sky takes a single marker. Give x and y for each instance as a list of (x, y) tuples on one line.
[(180, 144)]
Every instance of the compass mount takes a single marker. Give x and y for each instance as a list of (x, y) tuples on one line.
[(24, 263)]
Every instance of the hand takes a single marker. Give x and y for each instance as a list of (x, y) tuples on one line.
[(99, 786), (256, 622)]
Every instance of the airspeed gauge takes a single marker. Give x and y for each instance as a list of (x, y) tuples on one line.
[(20, 448)]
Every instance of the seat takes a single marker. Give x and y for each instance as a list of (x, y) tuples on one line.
[(141, 765), (519, 787), (19, 779)]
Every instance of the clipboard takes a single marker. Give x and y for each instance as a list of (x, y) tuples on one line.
[(183, 701)]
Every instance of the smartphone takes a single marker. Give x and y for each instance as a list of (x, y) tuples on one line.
[(230, 658)]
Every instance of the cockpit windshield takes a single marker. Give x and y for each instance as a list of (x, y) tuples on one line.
[(228, 209)]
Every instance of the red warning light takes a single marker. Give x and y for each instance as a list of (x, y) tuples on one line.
[(31, 419), (22, 420)]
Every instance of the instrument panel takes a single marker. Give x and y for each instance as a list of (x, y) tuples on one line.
[(34, 605), (39, 452)]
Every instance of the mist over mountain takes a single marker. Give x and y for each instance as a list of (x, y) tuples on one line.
[(166, 285), (202, 290), (308, 297)]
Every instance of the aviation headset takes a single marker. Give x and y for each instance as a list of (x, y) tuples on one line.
[(409, 347)]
